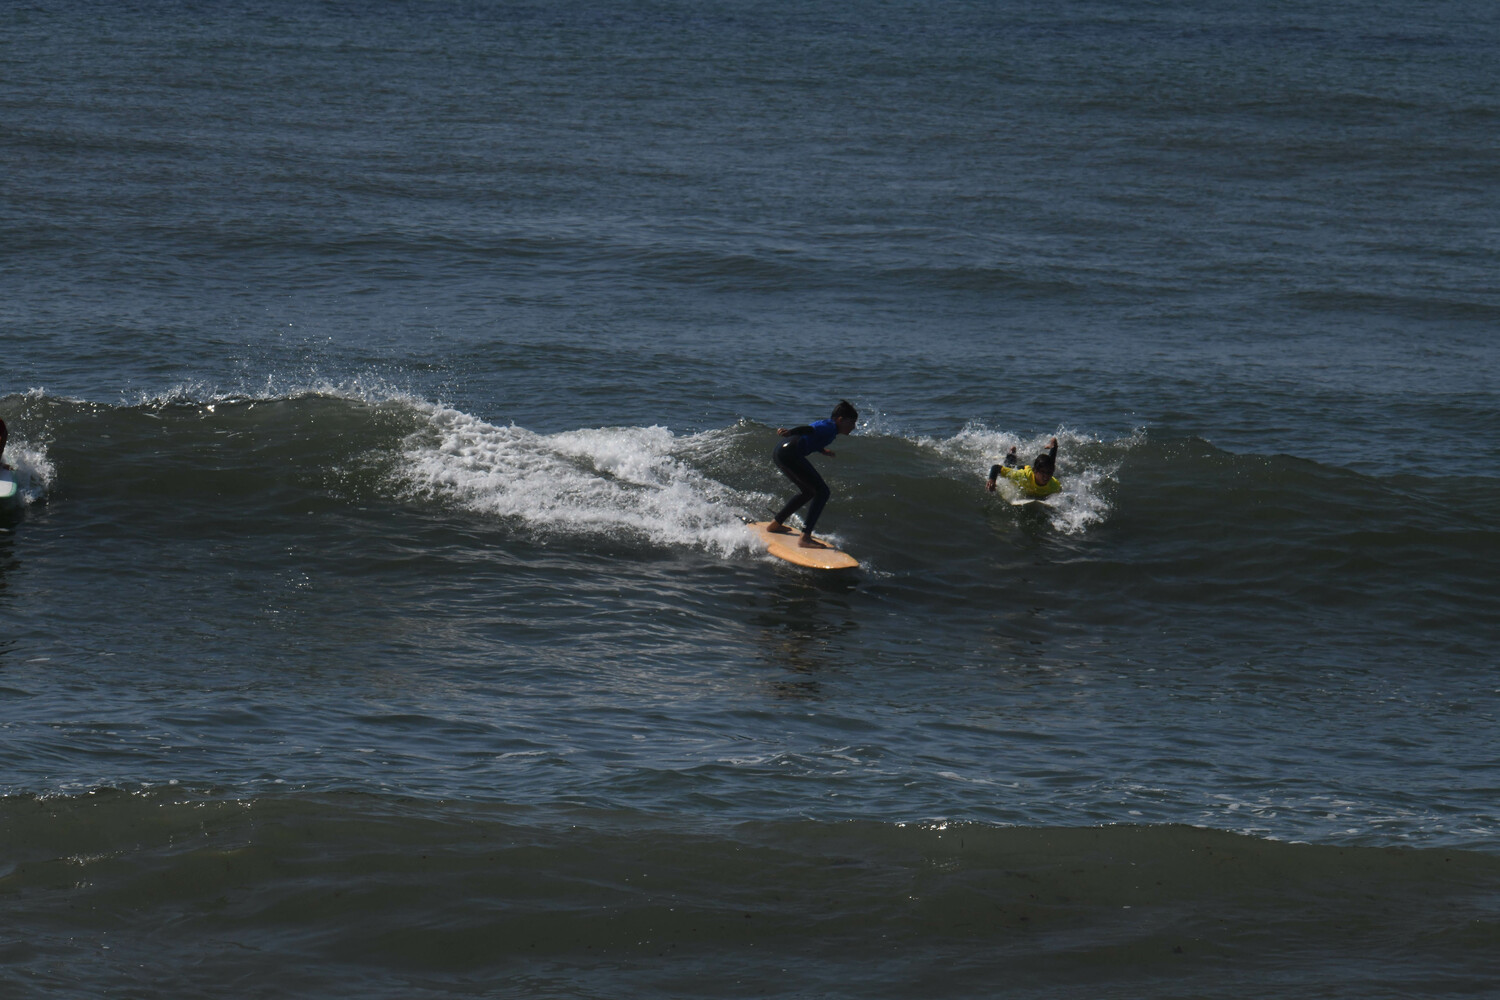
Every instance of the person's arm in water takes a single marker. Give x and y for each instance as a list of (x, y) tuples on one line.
[(1011, 462), (1008, 471), (4, 436)]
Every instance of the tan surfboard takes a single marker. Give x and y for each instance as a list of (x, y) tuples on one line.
[(786, 547)]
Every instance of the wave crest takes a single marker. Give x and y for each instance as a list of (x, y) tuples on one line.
[(610, 481)]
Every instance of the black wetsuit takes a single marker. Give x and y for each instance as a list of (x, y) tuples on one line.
[(791, 458)]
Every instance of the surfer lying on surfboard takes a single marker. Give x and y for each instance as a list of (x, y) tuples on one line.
[(790, 457), (1036, 479)]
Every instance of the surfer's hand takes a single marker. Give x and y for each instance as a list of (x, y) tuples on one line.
[(828, 453), (783, 431), (989, 484), (1052, 443)]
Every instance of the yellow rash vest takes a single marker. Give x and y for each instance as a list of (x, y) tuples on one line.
[(1026, 479)]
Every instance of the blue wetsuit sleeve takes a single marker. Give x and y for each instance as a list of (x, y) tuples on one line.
[(820, 435)]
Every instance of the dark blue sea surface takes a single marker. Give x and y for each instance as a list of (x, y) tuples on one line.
[(387, 388)]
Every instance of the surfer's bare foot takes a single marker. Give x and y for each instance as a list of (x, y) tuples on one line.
[(776, 527), (807, 541)]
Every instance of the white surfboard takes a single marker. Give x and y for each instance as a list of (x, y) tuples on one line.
[(7, 483), (1027, 501), (784, 546)]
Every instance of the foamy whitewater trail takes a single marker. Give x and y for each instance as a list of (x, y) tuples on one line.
[(619, 482), (33, 470), (28, 458)]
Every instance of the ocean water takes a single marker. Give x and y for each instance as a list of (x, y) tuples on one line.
[(387, 386)]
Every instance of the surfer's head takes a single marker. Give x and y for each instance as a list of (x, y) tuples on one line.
[(1043, 467), (846, 416)]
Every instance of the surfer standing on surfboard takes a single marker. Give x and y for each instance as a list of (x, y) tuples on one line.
[(790, 457), (1036, 479)]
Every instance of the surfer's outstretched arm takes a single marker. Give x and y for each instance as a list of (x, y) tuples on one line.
[(1010, 462)]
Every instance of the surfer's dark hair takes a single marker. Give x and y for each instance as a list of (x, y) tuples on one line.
[(1044, 463), (845, 409)]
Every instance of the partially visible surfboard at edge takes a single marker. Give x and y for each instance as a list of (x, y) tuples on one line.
[(784, 546), (7, 483)]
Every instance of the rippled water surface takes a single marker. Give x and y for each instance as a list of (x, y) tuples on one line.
[(387, 391)]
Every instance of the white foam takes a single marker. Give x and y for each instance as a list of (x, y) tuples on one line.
[(372, 389), (608, 481), (34, 471)]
